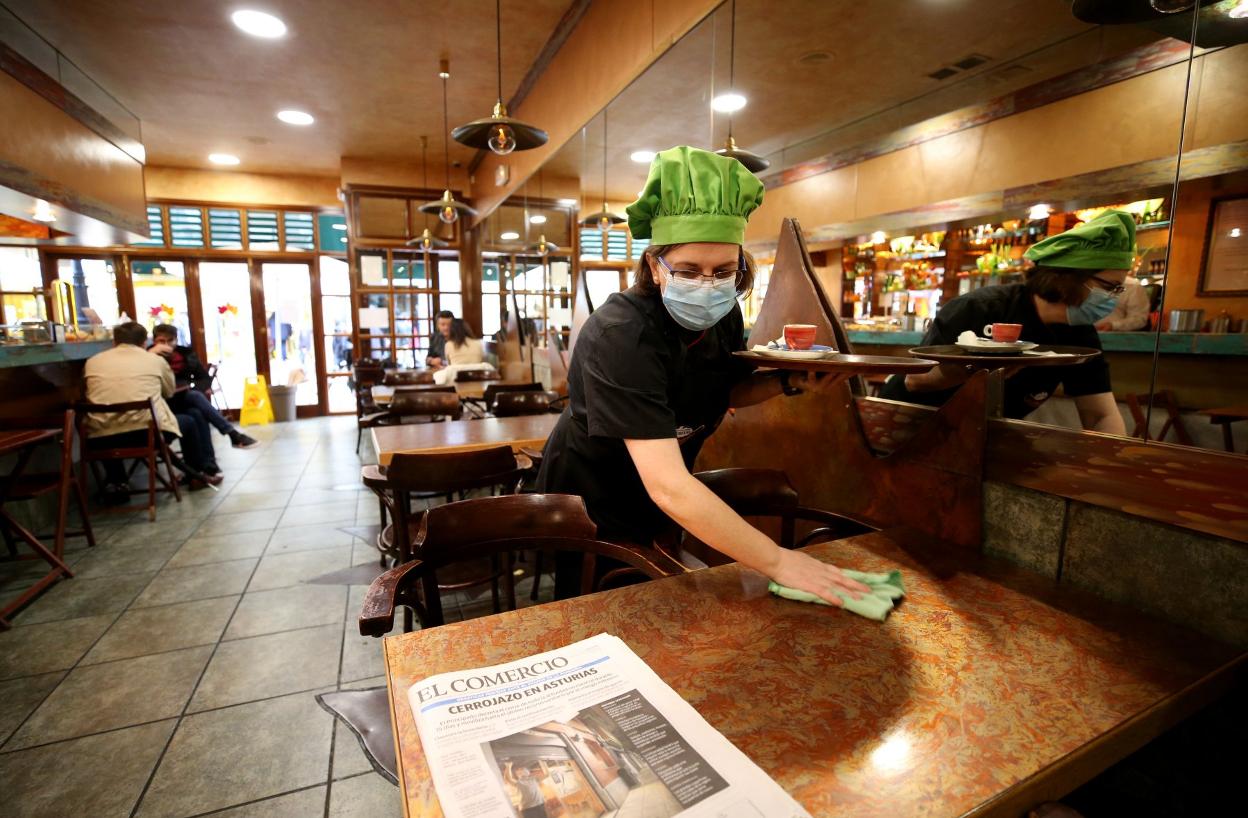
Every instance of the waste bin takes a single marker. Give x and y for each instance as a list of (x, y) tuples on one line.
[(283, 400)]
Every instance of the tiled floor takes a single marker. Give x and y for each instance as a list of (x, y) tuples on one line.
[(174, 676)]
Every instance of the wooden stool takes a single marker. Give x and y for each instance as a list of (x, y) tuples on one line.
[(1224, 416), (1174, 418)]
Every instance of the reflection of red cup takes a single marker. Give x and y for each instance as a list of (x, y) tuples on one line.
[(799, 336), (1004, 333)]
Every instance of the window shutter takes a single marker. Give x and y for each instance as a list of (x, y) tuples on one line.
[(225, 229), (299, 231), (154, 227), (186, 226), (617, 245), (591, 243), (262, 230)]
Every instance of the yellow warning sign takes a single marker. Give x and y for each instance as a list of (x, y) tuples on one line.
[(256, 407)]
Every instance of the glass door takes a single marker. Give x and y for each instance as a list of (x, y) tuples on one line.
[(288, 319), (160, 295), (229, 340), (94, 281), (336, 332)]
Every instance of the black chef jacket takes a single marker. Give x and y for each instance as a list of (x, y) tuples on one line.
[(636, 375), (1025, 391)]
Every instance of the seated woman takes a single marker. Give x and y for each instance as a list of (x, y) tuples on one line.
[(461, 347), (1076, 281)]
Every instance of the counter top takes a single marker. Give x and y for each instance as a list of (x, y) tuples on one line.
[(37, 354), (1173, 343)]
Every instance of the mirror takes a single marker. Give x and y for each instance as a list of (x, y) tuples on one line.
[(923, 147), (1200, 391)]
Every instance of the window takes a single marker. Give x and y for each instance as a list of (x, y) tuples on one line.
[(160, 296), (20, 278), (95, 289), (542, 289), (262, 230), (186, 226), (155, 227), (399, 293), (297, 231), (225, 229)]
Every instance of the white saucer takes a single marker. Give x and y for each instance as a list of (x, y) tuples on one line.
[(814, 353), (996, 347)]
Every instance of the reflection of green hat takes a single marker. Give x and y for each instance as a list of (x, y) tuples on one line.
[(694, 195), (1105, 243)]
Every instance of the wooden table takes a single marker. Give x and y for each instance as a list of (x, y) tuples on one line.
[(22, 443), (1226, 415), (988, 690), (463, 435), (467, 390)]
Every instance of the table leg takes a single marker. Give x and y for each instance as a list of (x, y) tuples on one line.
[(1228, 437)]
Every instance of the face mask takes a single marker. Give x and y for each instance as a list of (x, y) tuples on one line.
[(1099, 304), (696, 306)]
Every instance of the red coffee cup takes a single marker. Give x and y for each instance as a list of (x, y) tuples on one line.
[(1004, 333), (799, 336)]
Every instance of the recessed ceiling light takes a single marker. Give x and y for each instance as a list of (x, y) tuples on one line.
[(223, 159), (259, 23), (537, 218), (642, 157), (43, 212), (569, 202), (727, 103), (295, 117), (510, 235), (337, 226)]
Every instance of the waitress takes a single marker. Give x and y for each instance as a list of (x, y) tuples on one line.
[(1075, 283), (658, 357)]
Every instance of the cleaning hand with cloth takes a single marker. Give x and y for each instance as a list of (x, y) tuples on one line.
[(885, 590)]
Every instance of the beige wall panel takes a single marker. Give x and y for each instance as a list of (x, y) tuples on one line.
[(45, 152), (1218, 108), (241, 188), (823, 199)]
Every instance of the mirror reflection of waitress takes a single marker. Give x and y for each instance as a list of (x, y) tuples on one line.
[(657, 357), (1076, 281)]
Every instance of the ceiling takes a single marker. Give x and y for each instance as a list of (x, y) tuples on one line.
[(873, 81), (366, 69)]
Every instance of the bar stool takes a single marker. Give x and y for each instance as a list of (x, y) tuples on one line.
[(22, 436)]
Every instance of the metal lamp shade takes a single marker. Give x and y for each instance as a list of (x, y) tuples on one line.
[(476, 134), (752, 161), (593, 219), (447, 200), (435, 243)]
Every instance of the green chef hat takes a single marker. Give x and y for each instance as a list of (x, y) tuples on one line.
[(694, 195), (1105, 243)]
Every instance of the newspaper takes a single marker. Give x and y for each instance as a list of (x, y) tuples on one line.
[(584, 731)]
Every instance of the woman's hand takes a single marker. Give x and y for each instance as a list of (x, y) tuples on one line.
[(795, 569), (819, 383)]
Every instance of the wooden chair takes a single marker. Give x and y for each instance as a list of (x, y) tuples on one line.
[(1163, 398), (215, 392), (366, 376), (408, 377), (512, 404), (476, 375), (496, 527), (153, 452), (424, 476), (64, 481), (422, 404), (493, 390)]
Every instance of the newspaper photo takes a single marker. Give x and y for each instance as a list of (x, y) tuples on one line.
[(585, 731)]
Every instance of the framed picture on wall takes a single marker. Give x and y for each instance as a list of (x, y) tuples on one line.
[(1225, 267)]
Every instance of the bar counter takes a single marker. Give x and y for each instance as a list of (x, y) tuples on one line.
[(39, 354), (42, 379)]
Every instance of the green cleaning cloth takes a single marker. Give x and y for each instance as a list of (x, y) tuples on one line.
[(874, 605)]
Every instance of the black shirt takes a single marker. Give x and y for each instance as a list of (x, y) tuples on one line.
[(437, 348), (636, 375), (1012, 304)]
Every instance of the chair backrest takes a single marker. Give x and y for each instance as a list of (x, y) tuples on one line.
[(65, 421), (426, 403), (490, 526), (452, 471), (83, 410), (476, 375), (493, 390), (408, 377), (512, 404)]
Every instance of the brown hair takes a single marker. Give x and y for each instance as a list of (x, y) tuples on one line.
[(644, 281), (131, 332), (166, 331), (1064, 285)]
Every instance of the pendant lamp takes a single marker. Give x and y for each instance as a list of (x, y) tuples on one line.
[(752, 161), (499, 133), (604, 219), (426, 241), (542, 248), (448, 209)]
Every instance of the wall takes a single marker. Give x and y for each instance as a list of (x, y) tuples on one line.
[(1129, 122), (235, 187), (1180, 575), (1189, 229)]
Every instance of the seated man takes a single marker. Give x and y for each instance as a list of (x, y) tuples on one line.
[(445, 321), (189, 372), (127, 373)]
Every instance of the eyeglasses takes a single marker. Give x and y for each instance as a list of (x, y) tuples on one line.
[(685, 274), (696, 275), (1109, 286)]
